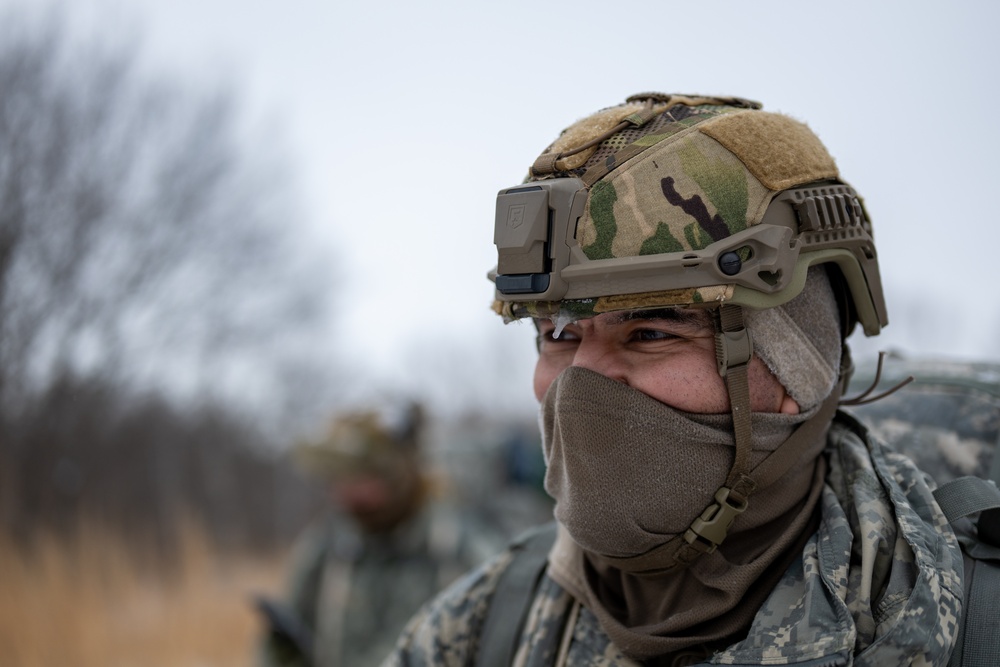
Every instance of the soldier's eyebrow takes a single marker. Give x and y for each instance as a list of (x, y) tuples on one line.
[(696, 318)]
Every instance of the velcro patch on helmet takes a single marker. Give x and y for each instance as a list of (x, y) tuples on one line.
[(780, 151)]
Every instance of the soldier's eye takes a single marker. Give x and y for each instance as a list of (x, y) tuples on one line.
[(651, 335)]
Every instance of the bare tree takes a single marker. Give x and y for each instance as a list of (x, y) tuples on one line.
[(159, 304), (139, 237)]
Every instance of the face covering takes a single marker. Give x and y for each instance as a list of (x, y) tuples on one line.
[(629, 473)]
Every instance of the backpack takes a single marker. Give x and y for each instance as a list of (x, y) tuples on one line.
[(947, 420)]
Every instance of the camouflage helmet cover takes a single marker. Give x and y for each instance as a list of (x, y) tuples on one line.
[(678, 200), (357, 443)]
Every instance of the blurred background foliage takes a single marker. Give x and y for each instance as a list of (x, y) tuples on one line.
[(166, 337), (168, 314), (161, 313)]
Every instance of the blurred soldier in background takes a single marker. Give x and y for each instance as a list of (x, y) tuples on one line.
[(388, 546)]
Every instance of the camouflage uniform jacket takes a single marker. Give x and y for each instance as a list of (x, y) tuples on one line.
[(355, 593), (879, 583)]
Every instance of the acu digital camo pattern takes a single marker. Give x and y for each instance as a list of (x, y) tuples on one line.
[(880, 583), (355, 593), (947, 420)]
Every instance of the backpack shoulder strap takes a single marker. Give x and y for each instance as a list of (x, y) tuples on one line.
[(967, 495), (954, 408), (978, 639), (513, 596)]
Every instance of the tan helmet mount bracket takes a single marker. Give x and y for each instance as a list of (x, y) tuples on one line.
[(540, 259)]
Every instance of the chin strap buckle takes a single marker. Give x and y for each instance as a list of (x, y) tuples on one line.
[(733, 349), (733, 343), (709, 530)]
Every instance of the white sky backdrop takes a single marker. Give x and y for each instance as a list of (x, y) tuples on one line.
[(403, 119)]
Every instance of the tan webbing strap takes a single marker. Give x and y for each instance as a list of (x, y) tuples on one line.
[(652, 561), (546, 162), (733, 350), (709, 530), (738, 385), (644, 115), (790, 451)]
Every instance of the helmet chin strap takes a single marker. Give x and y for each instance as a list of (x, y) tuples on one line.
[(734, 350)]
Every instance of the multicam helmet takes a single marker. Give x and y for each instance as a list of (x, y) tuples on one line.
[(358, 443), (678, 200)]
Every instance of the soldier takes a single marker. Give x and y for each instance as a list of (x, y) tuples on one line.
[(359, 574), (693, 266)]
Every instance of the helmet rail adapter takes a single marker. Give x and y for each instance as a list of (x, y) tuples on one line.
[(689, 201), (707, 204)]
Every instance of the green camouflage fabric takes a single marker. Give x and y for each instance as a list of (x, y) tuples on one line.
[(947, 420), (684, 194), (879, 583), (355, 593), (674, 115), (681, 183), (356, 443)]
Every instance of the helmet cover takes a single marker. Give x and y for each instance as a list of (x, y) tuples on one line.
[(678, 200)]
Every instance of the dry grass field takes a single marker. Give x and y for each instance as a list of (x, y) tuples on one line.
[(94, 602)]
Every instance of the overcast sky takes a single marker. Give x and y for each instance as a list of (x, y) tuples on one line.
[(403, 119)]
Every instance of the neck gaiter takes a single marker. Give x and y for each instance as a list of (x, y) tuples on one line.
[(628, 473)]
